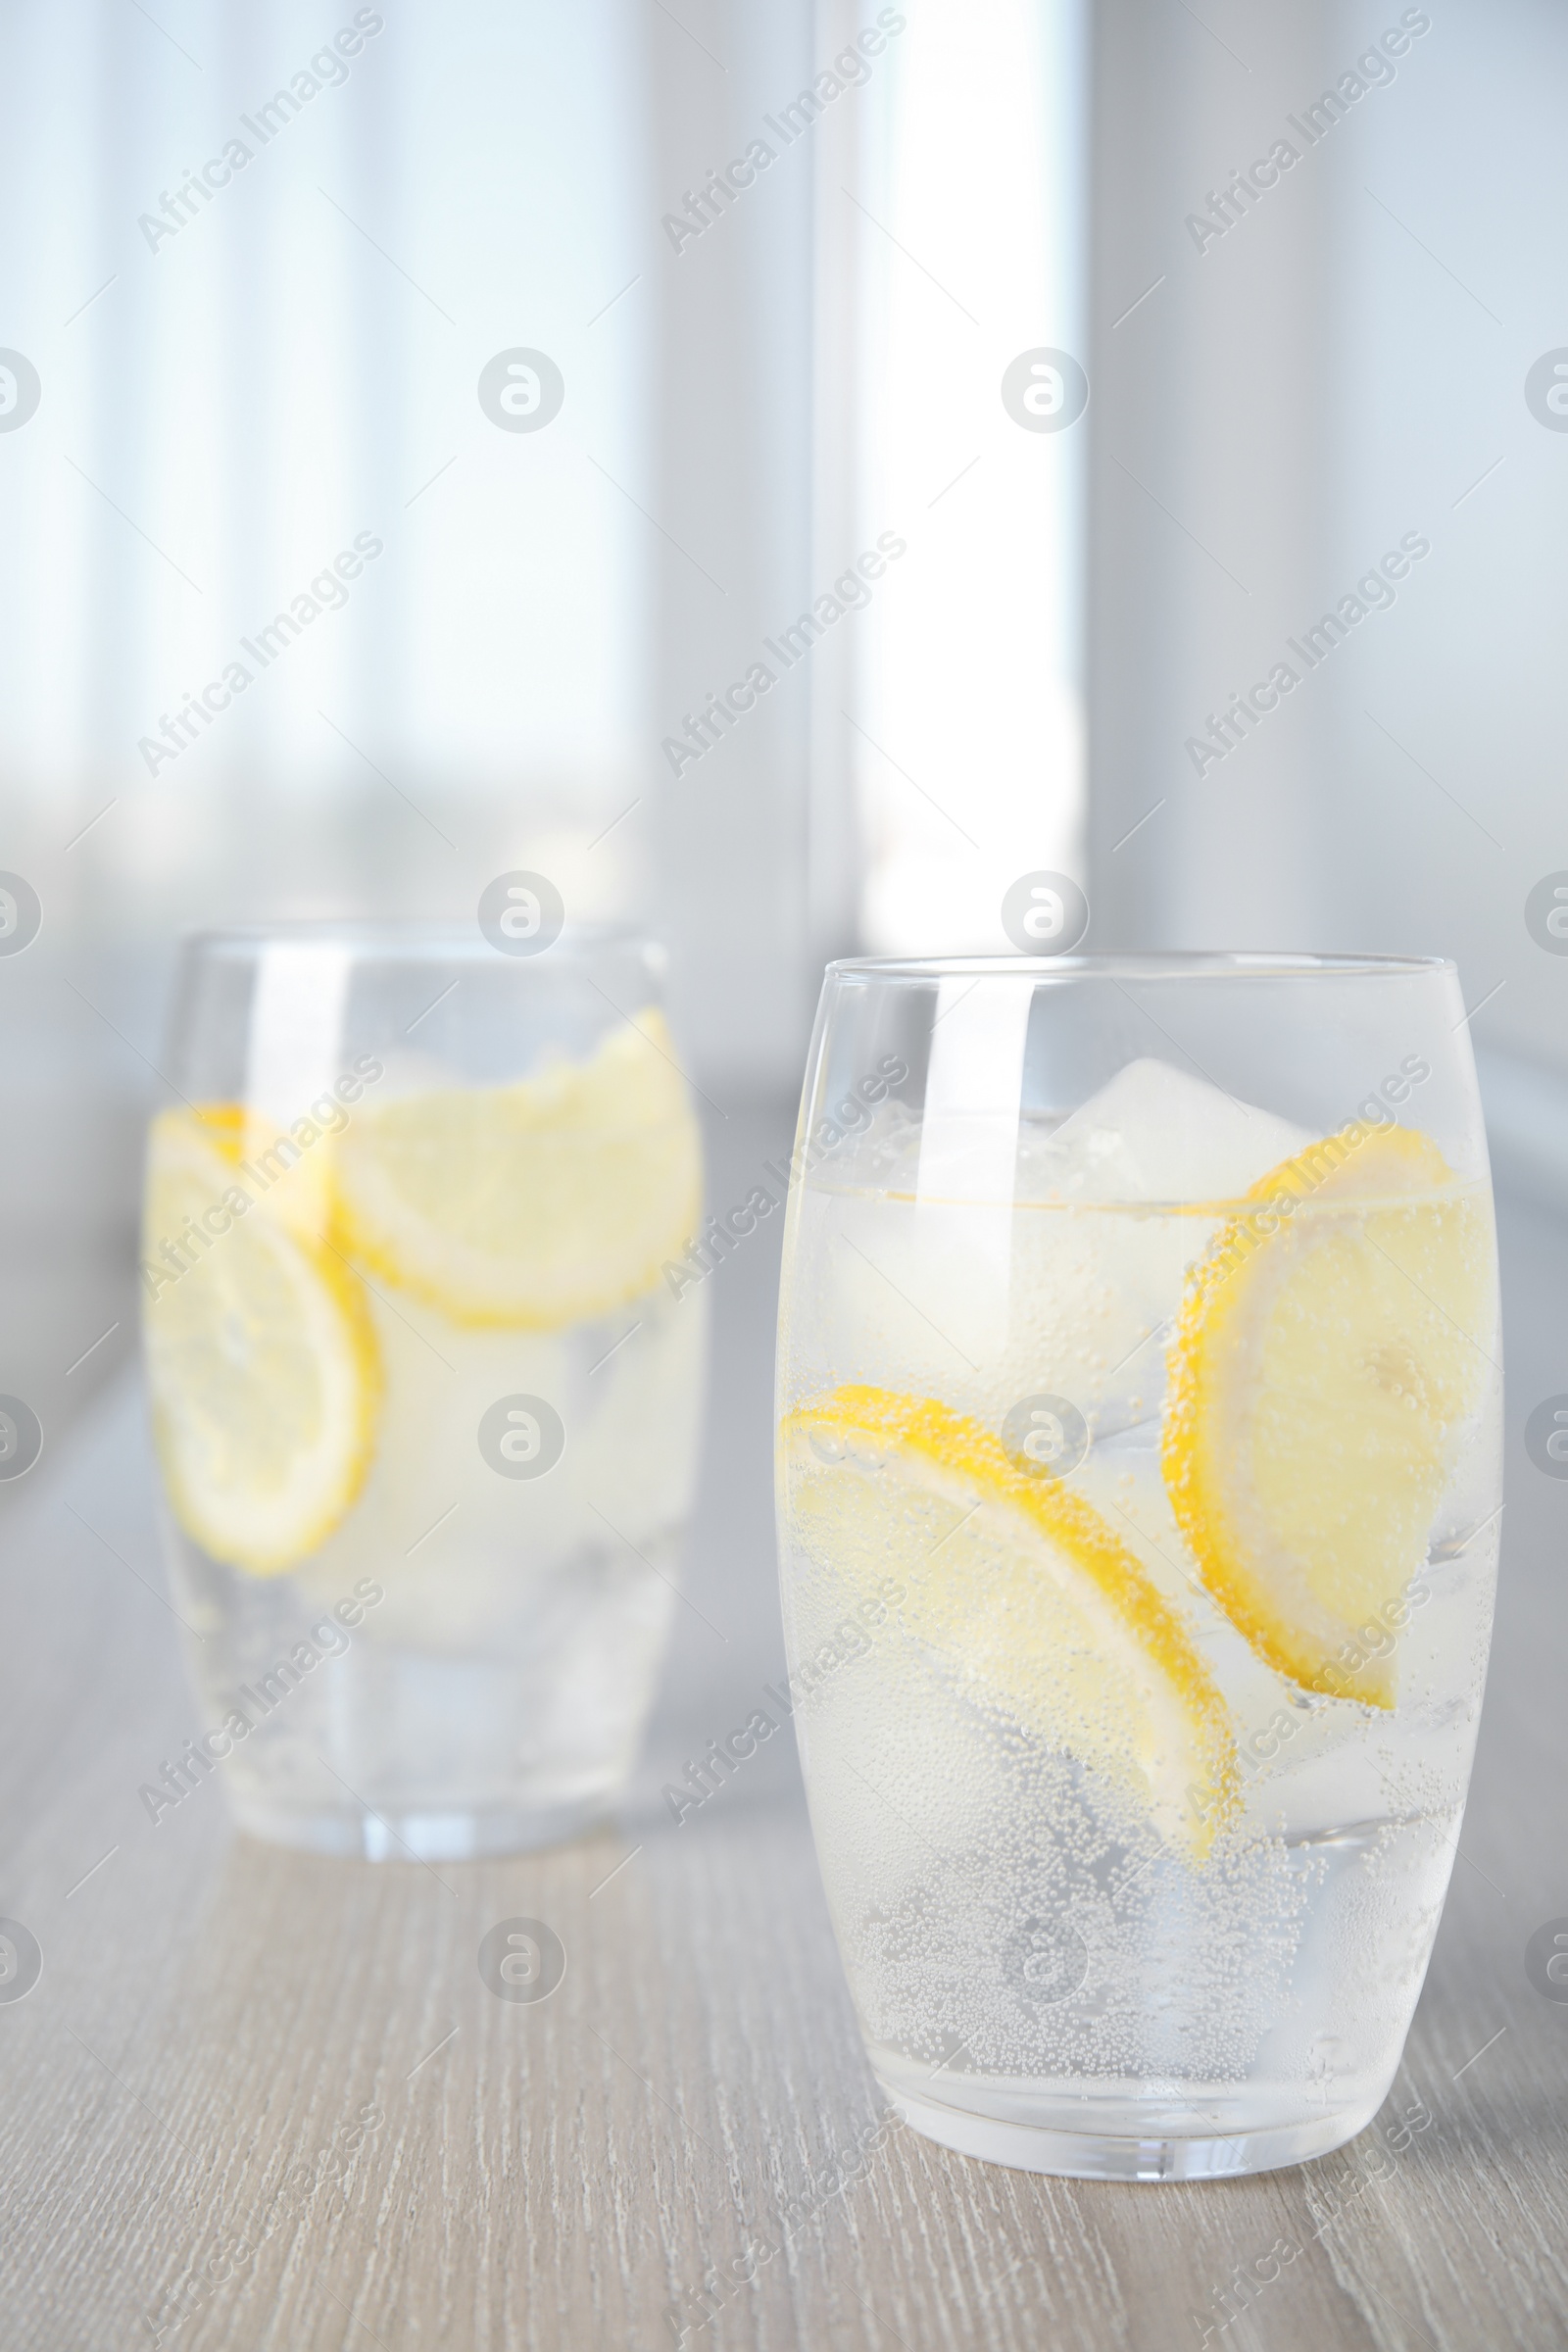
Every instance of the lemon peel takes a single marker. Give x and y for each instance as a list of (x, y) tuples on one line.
[(534, 1205), (262, 1358), (1018, 1582), (1329, 1348)]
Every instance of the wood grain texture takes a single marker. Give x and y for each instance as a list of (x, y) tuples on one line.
[(215, 2015)]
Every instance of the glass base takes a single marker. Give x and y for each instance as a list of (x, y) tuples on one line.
[(433, 1837), (1109, 2156)]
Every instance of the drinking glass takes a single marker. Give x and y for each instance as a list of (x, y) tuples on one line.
[(1139, 1488), (426, 1409)]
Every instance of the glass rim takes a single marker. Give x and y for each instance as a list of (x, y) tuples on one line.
[(1174, 964), (412, 938)]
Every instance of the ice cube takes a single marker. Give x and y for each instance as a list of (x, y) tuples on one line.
[(1157, 1133)]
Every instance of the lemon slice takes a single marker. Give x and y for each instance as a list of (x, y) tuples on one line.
[(261, 1355), (1324, 1361), (290, 1181), (536, 1203), (1021, 1587)]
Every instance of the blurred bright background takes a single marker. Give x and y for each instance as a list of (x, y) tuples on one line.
[(244, 375)]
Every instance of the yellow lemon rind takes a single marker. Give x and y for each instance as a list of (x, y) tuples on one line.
[(1387, 1164), (202, 1138), (608, 1258), (952, 1446), (478, 1301)]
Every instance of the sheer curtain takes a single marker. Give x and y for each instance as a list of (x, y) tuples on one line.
[(297, 620), (291, 246)]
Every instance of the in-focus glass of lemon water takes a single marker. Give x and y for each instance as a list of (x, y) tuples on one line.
[(426, 1411), (1145, 1345)]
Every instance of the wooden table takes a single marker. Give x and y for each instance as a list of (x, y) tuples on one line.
[(274, 2095)]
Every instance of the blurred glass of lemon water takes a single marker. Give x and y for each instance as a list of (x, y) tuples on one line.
[(1174, 1421), (426, 1409)]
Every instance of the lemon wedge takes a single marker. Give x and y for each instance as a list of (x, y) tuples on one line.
[(260, 1357), (1018, 1585), (1324, 1360), (536, 1203)]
